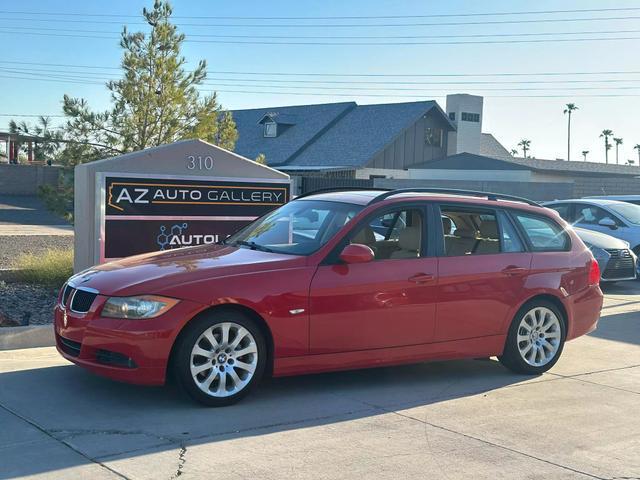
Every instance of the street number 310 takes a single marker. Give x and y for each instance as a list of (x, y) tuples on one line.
[(199, 162)]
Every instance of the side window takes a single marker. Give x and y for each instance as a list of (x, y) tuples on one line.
[(544, 234), (510, 240), (564, 209), (393, 235), (469, 232), (591, 215)]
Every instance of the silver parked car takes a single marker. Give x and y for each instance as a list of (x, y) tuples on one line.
[(616, 260), (618, 219), (635, 199)]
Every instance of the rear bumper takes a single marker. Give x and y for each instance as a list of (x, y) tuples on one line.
[(584, 311), (133, 351)]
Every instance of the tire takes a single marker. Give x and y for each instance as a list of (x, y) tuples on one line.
[(208, 367), (536, 350)]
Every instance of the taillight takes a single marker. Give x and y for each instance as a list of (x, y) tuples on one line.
[(594, 273)]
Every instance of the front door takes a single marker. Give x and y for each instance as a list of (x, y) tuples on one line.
[(387, 302), (482, 271)]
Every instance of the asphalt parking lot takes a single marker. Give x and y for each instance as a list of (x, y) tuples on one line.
[(453, 420)]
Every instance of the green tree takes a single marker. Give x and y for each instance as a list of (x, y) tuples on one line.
[(525, 145), (584, 154), (155, 102), (570, 108), (607, 146), (513, 152), (618, 142), (637, 147), (261, 159)]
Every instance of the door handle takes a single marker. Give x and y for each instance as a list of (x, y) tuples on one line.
[(421, 278), (513, 270)]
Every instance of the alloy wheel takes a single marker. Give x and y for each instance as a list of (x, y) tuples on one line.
[(539, 336), (224, 359)]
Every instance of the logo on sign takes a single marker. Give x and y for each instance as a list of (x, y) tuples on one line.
[(176, 237)]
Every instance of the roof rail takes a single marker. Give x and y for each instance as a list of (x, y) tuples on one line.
[(340, 189), (453, 191)]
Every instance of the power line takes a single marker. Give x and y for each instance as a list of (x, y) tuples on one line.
[(353, 75), (350, 37), (209, 80), (435, 15), (290, 43), (242, 83), (339, 25)]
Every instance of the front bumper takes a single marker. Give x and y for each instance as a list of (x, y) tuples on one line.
[(134, 351), (616, 265)]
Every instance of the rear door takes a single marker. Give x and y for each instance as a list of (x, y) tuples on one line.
[(483, 265), (388, 302)]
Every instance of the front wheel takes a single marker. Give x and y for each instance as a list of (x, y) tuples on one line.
[(535, 339), (220, 358)]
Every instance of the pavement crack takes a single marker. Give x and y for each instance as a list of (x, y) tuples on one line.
[(62, 441), (182, 460)]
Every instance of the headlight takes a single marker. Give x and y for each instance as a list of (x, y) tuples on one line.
[(144, 306)]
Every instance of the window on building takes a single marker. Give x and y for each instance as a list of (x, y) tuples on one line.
[(470, 117), (452, 116), (270, 129), (433, 136)]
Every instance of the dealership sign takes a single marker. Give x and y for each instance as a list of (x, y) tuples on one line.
[(152, 213)]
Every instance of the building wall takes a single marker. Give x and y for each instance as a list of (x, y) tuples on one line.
[(26, 179), (468, 134), (532, 190), (482, 175), (600, 185), (410, 147)]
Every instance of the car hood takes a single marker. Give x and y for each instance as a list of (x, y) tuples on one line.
[(600, 240), (156, 273)]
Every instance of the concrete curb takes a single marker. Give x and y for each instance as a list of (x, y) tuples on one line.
[(31, 336), (8, 275)]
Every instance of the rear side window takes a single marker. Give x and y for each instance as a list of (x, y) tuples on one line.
[(564, 209), (543, 233)]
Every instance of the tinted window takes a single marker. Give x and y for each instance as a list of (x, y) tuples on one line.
[(393, 235), (469, 232), (510, 240), (564, 209), (543, 233), (592, 215)]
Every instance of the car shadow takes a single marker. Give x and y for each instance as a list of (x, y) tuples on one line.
[(620, 327), (106, 420)]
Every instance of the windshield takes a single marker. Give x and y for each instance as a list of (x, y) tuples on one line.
[(628, 211), (296, 228)]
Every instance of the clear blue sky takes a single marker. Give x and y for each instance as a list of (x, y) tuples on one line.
[(510, 119)]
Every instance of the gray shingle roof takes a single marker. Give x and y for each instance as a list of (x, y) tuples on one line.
[(310, 122), (336, 134), (490, 147), (592, 168)]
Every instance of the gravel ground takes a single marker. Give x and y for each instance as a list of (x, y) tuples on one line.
[(24, 304), (12, 246)]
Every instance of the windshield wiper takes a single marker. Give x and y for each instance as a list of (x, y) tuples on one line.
[(252, 245)]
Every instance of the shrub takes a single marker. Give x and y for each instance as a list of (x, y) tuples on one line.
[(51, 268)]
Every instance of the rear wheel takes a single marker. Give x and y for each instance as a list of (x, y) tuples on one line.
[(220, 358), (536, 338)]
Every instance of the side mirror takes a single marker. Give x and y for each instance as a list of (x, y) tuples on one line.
[(356, 253), (608, 222)]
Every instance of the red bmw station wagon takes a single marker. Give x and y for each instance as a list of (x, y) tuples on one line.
[(339, 280)]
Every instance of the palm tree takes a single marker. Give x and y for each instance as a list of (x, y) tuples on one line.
[(513, 152), (607, 146), (571, 107), (637, 147), (618, 142), (524, 144), (584, 154)]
